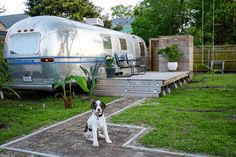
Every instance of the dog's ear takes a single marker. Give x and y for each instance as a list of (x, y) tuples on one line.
[(92, 104), (103, 106)]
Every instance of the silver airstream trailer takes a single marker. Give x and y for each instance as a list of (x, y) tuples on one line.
[(44, 48)]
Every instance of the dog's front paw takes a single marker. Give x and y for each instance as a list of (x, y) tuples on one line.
[(95, 144), (108, 141), (101, 136)]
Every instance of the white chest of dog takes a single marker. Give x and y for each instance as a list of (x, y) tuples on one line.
[(97, 123)]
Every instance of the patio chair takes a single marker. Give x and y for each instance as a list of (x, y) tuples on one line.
[(137, 63), (218, 62), (123, 63)]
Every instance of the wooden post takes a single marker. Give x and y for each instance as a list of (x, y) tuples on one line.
[(1, 95), (209, 56)]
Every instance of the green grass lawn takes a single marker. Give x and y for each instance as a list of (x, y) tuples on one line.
[(20, 117), (199, 117)]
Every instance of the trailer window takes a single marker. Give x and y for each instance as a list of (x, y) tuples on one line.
[(23, 44), (141, 46), (106, 41), (123, 44)]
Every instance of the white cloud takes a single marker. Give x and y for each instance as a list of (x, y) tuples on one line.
[(13, 6)]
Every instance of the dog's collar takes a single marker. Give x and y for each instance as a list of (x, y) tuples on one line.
[(100, 115)]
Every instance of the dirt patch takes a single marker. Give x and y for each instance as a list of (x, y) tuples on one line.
[(206, 87), (3, 126), (197, 81), (198, 110), (234, 116)]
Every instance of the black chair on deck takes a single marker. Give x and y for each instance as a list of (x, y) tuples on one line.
[(128, 61)]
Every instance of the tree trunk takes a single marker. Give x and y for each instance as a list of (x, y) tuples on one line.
[(68, 102), (1, 95)]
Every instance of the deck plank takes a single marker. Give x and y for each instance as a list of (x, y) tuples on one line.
[(163, 76)]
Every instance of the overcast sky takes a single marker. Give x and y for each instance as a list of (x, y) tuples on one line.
[(17, 6)]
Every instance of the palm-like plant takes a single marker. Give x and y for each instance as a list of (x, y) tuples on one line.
[(81, 81), (210, 71), (91, 76), (5, 77)]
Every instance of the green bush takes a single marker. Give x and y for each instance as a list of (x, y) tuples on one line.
[(5, 76), (172, 53)]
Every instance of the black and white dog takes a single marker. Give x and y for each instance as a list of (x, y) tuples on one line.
[(96, 122)]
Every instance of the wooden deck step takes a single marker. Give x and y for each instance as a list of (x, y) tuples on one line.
[(128, 87), (130, 82), (144, 88), (152, 84), (127, 94)]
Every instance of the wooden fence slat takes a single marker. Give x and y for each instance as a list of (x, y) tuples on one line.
[(222, 52)]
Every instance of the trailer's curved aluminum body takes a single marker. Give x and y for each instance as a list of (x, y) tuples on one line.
[(44, 48)]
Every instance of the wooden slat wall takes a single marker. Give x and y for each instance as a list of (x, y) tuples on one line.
[(152, 54), (221, 52)]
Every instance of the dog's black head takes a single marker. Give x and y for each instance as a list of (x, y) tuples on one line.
[(98, 107)]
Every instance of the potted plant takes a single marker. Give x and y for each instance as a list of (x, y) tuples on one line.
[(173, 55), (110, 69)]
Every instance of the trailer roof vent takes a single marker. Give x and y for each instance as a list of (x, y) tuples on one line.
[(94, 22)]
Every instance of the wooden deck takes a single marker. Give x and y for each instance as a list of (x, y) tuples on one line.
[(151, 84)]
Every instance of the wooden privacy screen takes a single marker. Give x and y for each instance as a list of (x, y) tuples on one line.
[(159, 62)]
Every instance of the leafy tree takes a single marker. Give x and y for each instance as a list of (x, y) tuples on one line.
[(120, 11), (160, 17), (2, 9), (72, 9), (106, 21), (118, 28), (196, 33), (224, 20), (104, 18), (154, 18)]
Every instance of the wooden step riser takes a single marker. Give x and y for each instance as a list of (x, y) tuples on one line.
[(126, 94), (129, 88), (130, 82)]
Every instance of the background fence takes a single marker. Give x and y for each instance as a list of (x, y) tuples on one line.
[(2, 40), (226, 53)]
